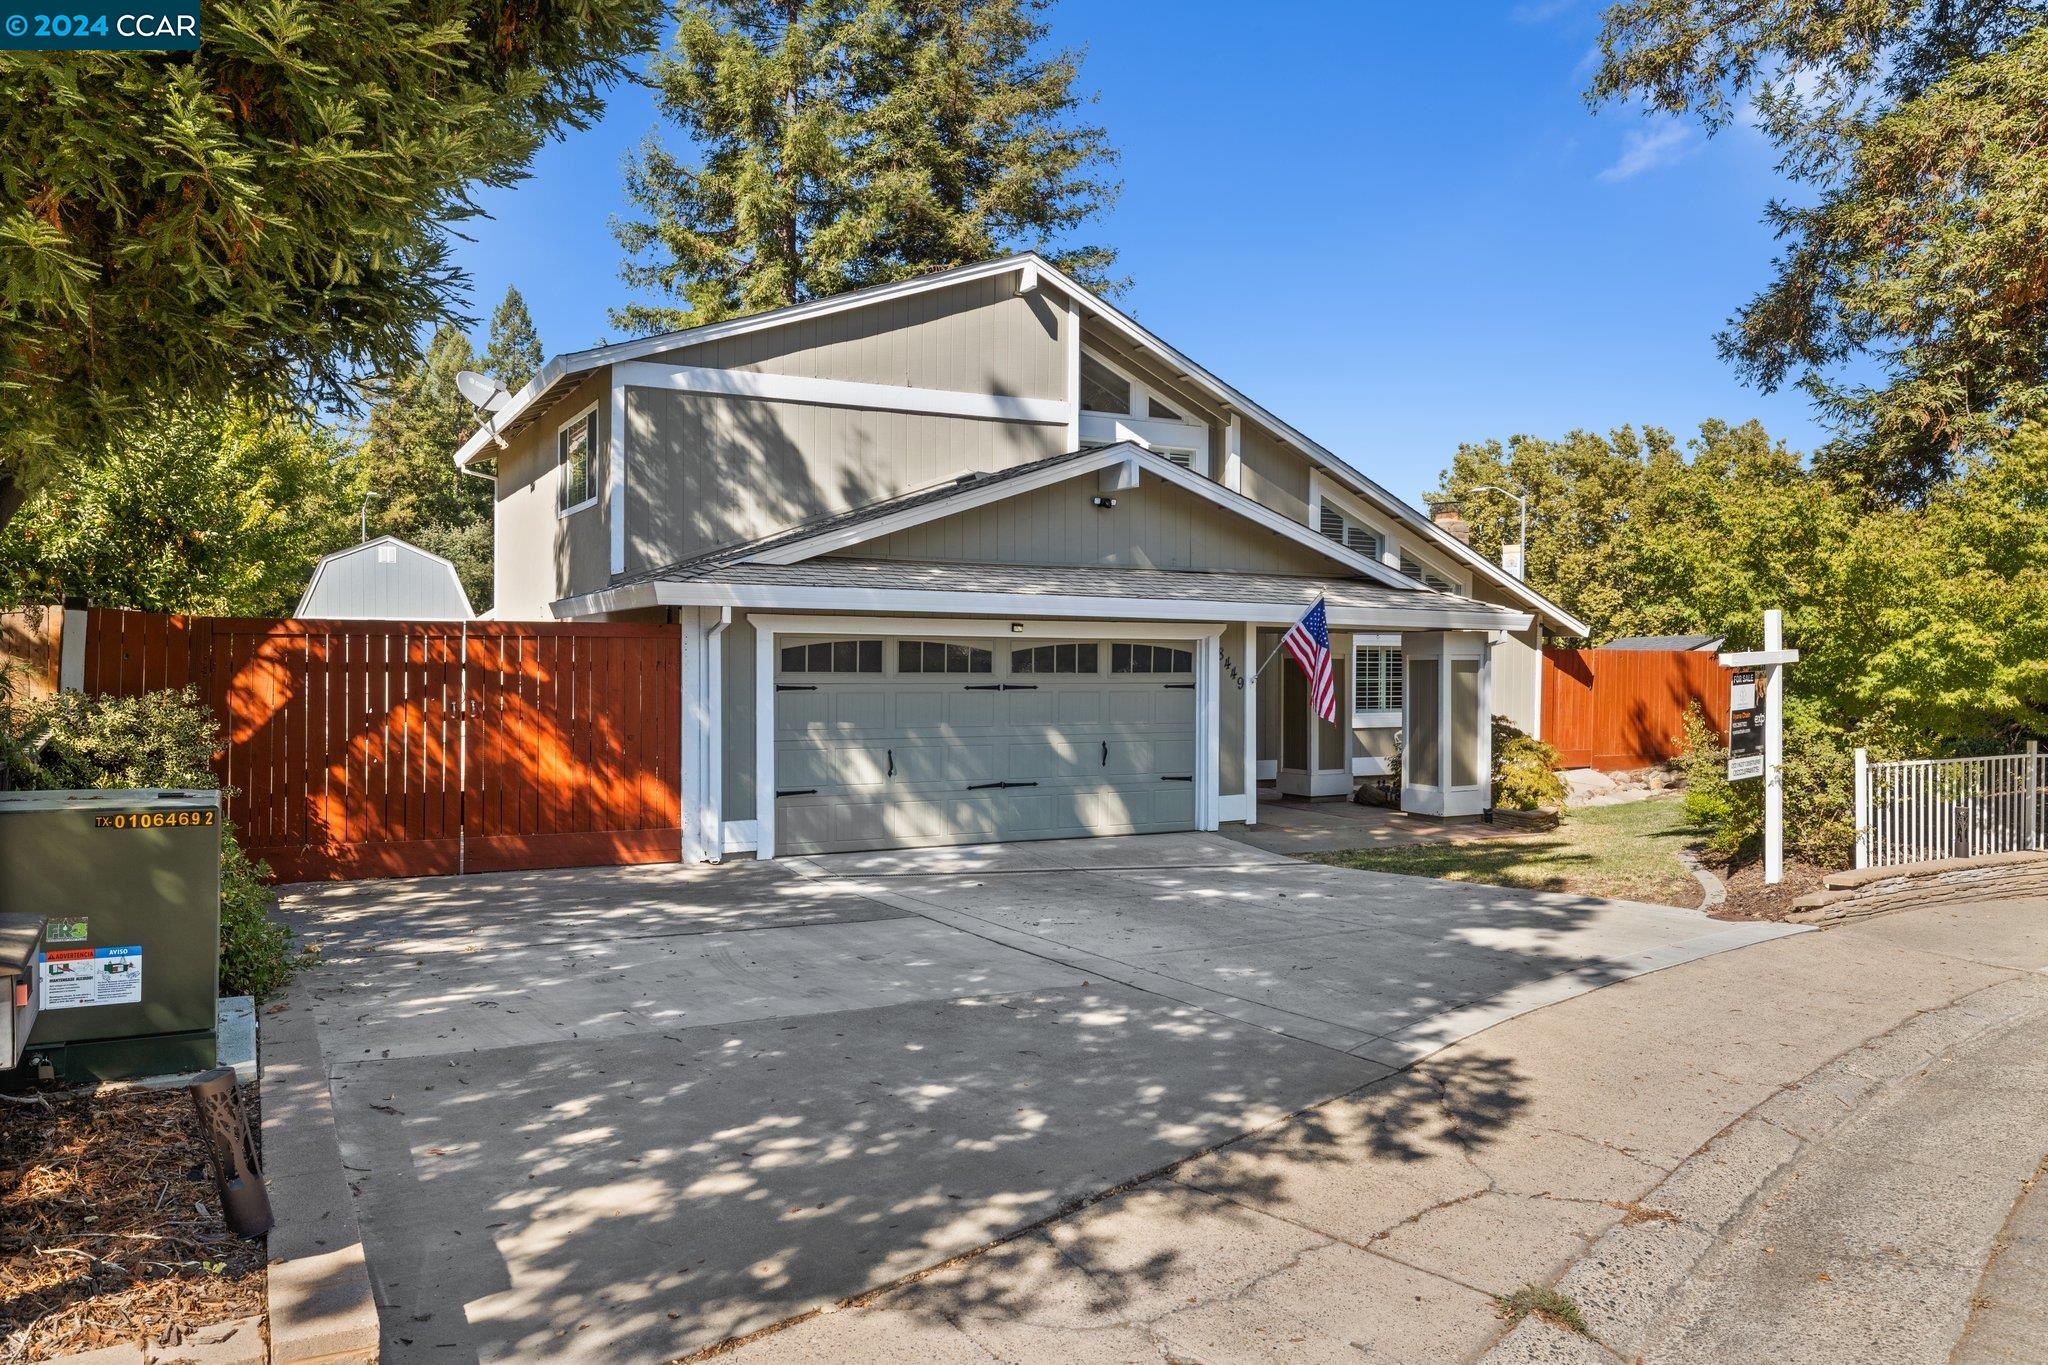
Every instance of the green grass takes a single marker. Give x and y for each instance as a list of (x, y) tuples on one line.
[(1544, 1303), (1626, 852)]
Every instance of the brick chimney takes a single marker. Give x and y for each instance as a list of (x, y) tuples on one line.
[(1448, 518)]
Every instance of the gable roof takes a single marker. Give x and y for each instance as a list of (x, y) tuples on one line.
[(540, 393), (836, 531)]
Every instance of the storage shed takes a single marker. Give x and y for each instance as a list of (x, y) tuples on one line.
[(385, 579)]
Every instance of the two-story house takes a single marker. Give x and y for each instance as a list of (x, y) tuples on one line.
[(976, 557)]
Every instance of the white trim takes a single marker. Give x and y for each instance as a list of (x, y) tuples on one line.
[(1269, 769), (299, 612), (1248, 671), (72, 626), (1234, 808), (1073, 349), (766, 628), (970, 497), (580, 362), (1153, 433), (555, 462), (704, 734), (1015, 605), (741, 836), (615, 473), (837, 393), (1365, 765), (1321, 487), (764, 736), (1233, 458)]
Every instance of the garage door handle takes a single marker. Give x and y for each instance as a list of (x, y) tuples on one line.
[(1189, 778), (1105, 753), (892, 764), (800, 791)]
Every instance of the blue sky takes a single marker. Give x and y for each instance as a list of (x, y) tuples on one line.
[(1398, 226)]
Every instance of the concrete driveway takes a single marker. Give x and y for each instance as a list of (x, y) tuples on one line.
[(626, 1114)]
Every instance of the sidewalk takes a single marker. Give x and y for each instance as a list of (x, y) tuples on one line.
[(1379, 1226)]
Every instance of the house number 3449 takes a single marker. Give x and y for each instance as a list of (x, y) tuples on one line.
[(1230, 668)]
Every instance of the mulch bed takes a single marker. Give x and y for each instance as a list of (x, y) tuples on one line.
[(110, 1228), (1749, 898)]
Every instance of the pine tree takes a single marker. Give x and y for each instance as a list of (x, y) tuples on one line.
[(846, 144), (269, 215), (406, 465), (514, 355)]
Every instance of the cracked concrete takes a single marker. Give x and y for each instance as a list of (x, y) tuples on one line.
[(1603, 1136)]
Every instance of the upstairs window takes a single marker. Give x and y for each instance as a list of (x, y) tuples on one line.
[(1150, 659), (1375, 678), (575, 462), (1348, 533), (1156, 409), (935, 656), (834, 656), (1182, 457), (1075, 658), (1103, 389), (1430, 577)]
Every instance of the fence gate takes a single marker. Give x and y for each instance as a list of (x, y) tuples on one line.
[(393, 749), (1920, 809)]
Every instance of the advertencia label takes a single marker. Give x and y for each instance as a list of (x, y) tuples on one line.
[(74, 978)]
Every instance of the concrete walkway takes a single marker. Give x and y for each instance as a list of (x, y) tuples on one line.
[(1379, 1226), (629, 1114)]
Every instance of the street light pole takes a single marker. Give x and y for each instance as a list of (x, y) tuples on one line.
[(1521, 544)]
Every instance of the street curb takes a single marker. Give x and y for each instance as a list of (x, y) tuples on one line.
[(321, 1305), (1626, 1279)]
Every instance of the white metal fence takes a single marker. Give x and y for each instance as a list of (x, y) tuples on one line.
[(1918, 809)]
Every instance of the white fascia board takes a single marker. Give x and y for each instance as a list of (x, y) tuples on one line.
[(840, 393), (1123, 452), (749, 597)]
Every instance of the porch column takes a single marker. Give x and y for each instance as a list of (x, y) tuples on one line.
[(1447, 761), (703, 737)]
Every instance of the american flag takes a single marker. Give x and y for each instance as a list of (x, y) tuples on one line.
[(1309, 642)]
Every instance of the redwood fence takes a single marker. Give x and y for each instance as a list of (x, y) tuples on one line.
[(387, 749), (1617, 709)]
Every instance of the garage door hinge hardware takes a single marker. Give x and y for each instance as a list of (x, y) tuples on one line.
[(1002, 687), (984, 786), (1189, 778), (799, 791), (796, 687), (1179, 687)]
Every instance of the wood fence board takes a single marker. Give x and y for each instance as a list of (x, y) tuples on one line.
[(1618, 709), (377, 749)]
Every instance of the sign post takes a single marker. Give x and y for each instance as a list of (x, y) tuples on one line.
[(1743, 763)]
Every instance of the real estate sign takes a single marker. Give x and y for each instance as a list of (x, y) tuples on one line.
[(1745, 727)]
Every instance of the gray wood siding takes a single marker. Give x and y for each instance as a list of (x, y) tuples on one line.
[(977, 337), (705, 470), (1517, 663), (737, 721), (1155, 526), (1274, 475), (538, 555)]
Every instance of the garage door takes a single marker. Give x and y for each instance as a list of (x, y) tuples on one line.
[(904, 743)]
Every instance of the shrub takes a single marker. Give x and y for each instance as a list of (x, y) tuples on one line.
[(1525, 772), (159, 739), (1820, 795)]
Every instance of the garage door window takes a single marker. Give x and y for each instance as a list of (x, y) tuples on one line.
[(834, 656), (934, 656), (1075, 658), (1150, 659)]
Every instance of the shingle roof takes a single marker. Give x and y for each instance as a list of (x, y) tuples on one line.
[(1048, 580), (700, 565), (1677, 642)]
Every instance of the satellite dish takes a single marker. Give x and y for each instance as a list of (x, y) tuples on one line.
[(481, 390)]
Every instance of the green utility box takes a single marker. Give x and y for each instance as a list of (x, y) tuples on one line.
[(128, 884)]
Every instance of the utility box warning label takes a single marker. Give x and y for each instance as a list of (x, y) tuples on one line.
[(74, 978)]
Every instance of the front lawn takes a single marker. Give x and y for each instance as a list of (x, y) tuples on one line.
[(1626, 852)]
